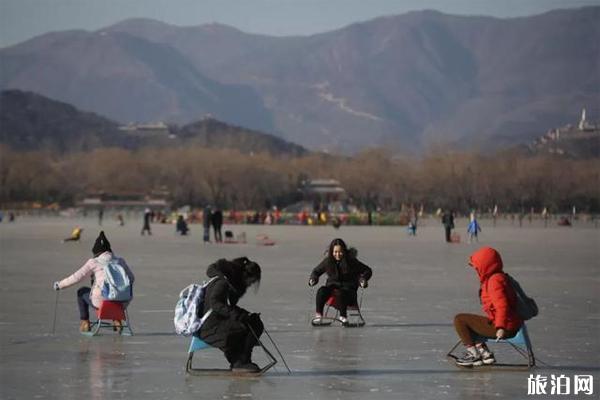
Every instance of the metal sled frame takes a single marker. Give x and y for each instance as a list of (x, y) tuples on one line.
[(520, 343), (353, 313), (109, 311), (198, 344)]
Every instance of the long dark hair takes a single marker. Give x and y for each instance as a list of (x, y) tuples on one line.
[(249, 274)]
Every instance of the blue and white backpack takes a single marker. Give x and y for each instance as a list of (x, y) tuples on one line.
[(187, 318), (117, 285)]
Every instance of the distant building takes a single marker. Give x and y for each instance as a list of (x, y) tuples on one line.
[(584, 125), (321, 195), (569, 139), (323, 190), (151, 129), (154, 200)]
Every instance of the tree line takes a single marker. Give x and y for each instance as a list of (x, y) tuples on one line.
[(373, 178)]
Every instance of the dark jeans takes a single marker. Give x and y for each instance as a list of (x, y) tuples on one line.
[(240, 346), (146, 228), (469, 326), (84, 303), (344, 298)]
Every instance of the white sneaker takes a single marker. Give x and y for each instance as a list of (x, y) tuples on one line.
[(344, 321), (487, 357), (317, 320), (471, 358)]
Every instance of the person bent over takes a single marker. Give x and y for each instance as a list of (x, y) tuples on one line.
[(75, 235), (344, 273), (229, 327), (181, 226), (499, 302), (94, 268)]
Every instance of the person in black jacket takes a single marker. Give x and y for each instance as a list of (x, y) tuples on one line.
[(217, 222), (231, 328), (448, 222), (344, 273)]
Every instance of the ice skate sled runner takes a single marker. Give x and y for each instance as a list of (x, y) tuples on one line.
[(198, 344), (108, 312), (520, 343), (331, 312)]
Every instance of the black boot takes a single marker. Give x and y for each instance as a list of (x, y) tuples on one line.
[(240, 366)]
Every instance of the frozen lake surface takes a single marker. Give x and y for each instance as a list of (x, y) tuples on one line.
[(419, 284)]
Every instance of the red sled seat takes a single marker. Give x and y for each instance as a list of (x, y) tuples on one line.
[(355, 317), (108, 312)]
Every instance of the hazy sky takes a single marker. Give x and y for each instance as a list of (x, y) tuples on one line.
[(23, 19)]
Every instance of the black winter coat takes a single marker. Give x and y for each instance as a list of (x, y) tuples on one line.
[(448, 220), (217, 219), (344, 274), (222, 295)]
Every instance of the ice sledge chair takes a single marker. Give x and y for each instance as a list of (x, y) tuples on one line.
[(331, 312), (520, 343), (198, 344), (108, 312)]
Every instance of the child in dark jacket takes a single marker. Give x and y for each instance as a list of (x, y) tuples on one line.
[(345, 273)]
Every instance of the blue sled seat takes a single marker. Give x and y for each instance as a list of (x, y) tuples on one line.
[(520, 342), (195, 345)]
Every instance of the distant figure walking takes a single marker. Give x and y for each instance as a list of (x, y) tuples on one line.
[(147, 218), (412, 228), (473, 229), (448, 222), (121, 220), (217, 222), (100, 216), (206, 220), (412, 223)]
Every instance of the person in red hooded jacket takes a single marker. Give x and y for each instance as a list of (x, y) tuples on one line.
[(499, 302)]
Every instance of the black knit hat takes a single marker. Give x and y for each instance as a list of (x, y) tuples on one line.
[(101, 245)]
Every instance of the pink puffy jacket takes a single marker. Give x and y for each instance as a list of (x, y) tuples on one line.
[(95, 267)]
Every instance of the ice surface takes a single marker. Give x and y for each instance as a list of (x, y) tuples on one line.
[(419, 283)]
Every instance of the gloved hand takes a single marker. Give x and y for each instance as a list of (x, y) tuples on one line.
[(363, 283), (249, 317), (312, 282), (55, 286), (243, 315)]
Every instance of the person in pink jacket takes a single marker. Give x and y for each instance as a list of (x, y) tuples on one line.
[(94, 268)]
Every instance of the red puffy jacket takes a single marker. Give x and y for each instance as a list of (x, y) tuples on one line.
[(498, 298)]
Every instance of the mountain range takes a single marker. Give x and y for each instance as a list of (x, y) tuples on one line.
[(29, 121), (402, 82)]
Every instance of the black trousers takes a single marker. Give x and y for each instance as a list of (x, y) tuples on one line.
[(448, 230), (240, 345), (344, 298), (218, 235)]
